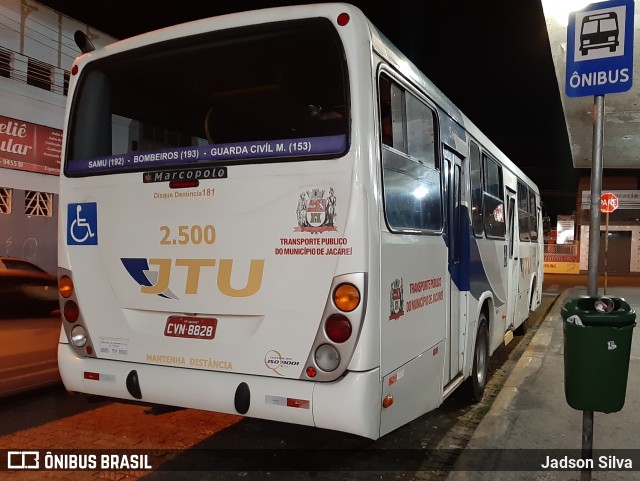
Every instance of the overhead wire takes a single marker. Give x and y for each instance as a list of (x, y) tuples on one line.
[(63, 46)]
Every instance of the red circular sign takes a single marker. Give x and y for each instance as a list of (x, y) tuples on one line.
[(608, 202)]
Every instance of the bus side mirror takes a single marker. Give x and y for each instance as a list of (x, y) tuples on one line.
[(83, 42)]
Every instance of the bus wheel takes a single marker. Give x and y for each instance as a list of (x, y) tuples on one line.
[(478, 380)]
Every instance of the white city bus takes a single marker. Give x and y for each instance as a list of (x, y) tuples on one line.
[(275, 214)]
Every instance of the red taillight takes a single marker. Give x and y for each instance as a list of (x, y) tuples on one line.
[(311, 371), (343, 19), (338, 328), (71, 311)]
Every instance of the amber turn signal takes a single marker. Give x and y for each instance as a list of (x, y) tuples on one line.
[(65, 286), (346, 297)]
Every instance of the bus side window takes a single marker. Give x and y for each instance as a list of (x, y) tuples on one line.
[(533, 212), (524, 217), (493, 200), (475, 168), (393, 115), (411, 174), (386, 121)]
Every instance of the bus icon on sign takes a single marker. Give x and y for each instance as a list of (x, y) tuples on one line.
[(599, 31), (600, 49)]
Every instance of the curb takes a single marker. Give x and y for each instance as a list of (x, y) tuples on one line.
[(497, 423)]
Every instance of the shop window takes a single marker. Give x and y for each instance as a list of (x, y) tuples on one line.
[(38, 203), (5, 200), (5, 63), (65, 87), (39, 74)]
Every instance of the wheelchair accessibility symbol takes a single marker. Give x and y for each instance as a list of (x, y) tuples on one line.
[(82, 224)]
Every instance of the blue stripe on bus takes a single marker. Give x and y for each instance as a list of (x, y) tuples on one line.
[(470, 274), (136, 268)]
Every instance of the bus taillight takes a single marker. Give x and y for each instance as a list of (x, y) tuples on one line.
[(327, 357), (65, 286), (343, 19), (79, 336), (71, 311), (346, 297), (338, 328)]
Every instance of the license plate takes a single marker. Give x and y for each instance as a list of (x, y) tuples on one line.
[(191, 327)]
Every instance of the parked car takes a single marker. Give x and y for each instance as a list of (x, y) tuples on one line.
[(29, 327), (7, 263)]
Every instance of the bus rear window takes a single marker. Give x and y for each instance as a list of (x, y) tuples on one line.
[(263, 93)]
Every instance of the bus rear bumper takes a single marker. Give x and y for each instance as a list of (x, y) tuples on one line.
[(350, 404)]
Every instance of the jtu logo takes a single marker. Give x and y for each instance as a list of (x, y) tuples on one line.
[(154, 275)]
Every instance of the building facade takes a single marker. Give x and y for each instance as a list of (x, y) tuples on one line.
[(37, 51), (619, 252)]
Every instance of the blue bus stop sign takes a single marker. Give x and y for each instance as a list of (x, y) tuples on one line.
[(600, 49)]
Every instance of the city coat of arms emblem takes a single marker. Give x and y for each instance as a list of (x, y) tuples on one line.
[(396, 300), (316, 212)]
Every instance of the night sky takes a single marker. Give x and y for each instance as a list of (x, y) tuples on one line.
[(492, 59)]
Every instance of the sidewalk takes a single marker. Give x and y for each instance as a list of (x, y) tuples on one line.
[(530, 418)]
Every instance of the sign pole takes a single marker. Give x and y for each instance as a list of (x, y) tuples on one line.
[(594, 248), (606, 250), (608, 203), (596, 194), (592, 61)]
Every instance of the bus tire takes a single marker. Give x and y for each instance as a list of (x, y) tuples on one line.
[(478, 380)]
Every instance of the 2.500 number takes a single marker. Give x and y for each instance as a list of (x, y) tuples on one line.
[(194, 234)]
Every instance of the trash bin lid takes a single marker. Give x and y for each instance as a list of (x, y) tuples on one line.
[(603, 311)]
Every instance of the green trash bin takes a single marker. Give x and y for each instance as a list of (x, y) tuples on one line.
[(597, 347)]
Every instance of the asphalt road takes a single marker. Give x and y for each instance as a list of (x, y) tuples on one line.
[(186, 444)]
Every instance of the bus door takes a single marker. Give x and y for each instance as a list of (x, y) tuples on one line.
[(511, 258), (454, 361)]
